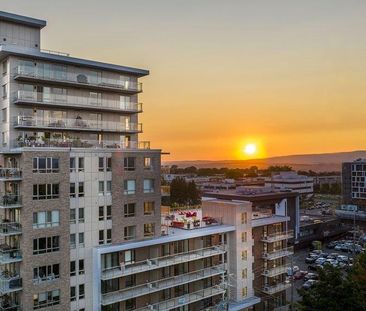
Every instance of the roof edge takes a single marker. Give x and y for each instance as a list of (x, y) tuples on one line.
[(21, 19)]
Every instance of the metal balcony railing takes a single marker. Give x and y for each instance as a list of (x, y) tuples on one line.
[(10, 200), (77, 124), (9, 254), (288, 251), (165, 283), (160, 262), (10, 228), (276, 271), (278, 236), (82, 79), (6, 305), (11, 173), (72, 101), (273, 289)]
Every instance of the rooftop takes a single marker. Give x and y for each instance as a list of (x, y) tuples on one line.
[(20, 19)]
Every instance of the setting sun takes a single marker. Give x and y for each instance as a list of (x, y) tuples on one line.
[(250, 149)]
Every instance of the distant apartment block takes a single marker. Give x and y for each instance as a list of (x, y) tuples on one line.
[(290, 181)]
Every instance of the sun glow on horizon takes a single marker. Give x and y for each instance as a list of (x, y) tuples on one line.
[(250, 149)]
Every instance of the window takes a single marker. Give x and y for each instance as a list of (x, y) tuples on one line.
[(72, 268), (81, 291), (72, 216), (130, 186), (46, 219), (81, 239), (72, 190), (4, 138), (129, 210), (81, 165), (149, 229), (46, 273), (149, 208), (72, 165), (102, 234), (147, 163), (109, 187), (109, 164), (130, 280), (46, 245), (129, 257), (4, 115), (81, 189), (46, 299), (129, 164), (101, 164), (101, 237), (81, 214), (46, 165), (244, 255), (244, 273), (130, 232), (81, 266), (148, 185), (72, 293), (5, 67), (245, 291), (109, 212), (72, 240), (109, 236), (243, 237), (5, 90), (101, 213), (243, 218), (101, 188), (45, 191)]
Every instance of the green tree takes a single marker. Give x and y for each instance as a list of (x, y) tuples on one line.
[(193, 194), (178, 191)]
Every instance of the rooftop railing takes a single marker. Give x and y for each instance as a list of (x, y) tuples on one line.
[(75, 101), (62, 75), (76, 124)]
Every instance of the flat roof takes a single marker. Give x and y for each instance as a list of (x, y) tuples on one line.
[(179, 234), (8, 49), (265, 221), (233, 195), (21, 19)]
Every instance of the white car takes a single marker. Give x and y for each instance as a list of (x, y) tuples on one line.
[(342, 258), (320, 261)]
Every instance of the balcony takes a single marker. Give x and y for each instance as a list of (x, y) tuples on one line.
[(155, 286), (273, 289), (8, 305), (278, 236), (278, 254), (77, 124), (186, 299), (10, 283), (275, 271), (11, 174), (161, 262), (82, 80), (74, 102), (9, 255), (10, 200), (10, 228), (282, 308)]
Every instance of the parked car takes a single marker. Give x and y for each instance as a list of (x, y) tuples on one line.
[(309, 283), (320, 261), (310, 259), (332, 256), (311, 276), (342, 258), (338, 247), (332, 262), (332, 244)]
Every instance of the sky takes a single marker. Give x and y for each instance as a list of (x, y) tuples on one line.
[(288, 76)]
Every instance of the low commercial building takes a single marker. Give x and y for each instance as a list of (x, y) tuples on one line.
[(291, 181)]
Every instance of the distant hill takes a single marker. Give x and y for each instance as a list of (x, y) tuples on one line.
[(316, 162)]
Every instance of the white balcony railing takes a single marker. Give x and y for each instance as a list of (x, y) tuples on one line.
[(278, 253), (10, 173), (273, 289), (83, 79), (10, 228), (160, 262), (169, 282), (10, 283), (276, 271), (77, 124), (278, 236), (74, 101), (9, 255)]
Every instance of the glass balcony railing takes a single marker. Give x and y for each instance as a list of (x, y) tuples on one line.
[(10, 173), (81, 79), (77, 124), (160, 262), (186, 299), (9, 254), (9, 200), (10, 228), (278, 236), (271, 272), (273, 289), (278, 253), (79, 143), (7, 305), (169, 282), (10, 283), (63, 100)]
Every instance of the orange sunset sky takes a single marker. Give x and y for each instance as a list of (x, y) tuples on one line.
[(288, 76)]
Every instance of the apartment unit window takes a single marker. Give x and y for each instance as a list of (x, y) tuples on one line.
[(72, 215), (46, 165), (109, 236), (72, 190), (129, 210), (243, 237), (4, 138), (129, 257), (5, 90), (73, 293), (101, 213), (130, 304), (46, 191), (81, 189), (46, 219), (105, 236), (72, 165), (244, 218), (244, 255), (244, 273), (46, 273), (149, 229), (101, 164), (129, 163), (81, 291), (130, 186), (149, 208), (46, 299), (245, 291), (130, 232), (130, 280), (81, 214), (109, 164), (72, 240), (147, 163), (4, 115), (46, 245), (81, 266), (72, 268), (81, 165), (109, 212), (109, 187), (101, 188), (148, 185), (81, 239), (101, 237), (105, 212)]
